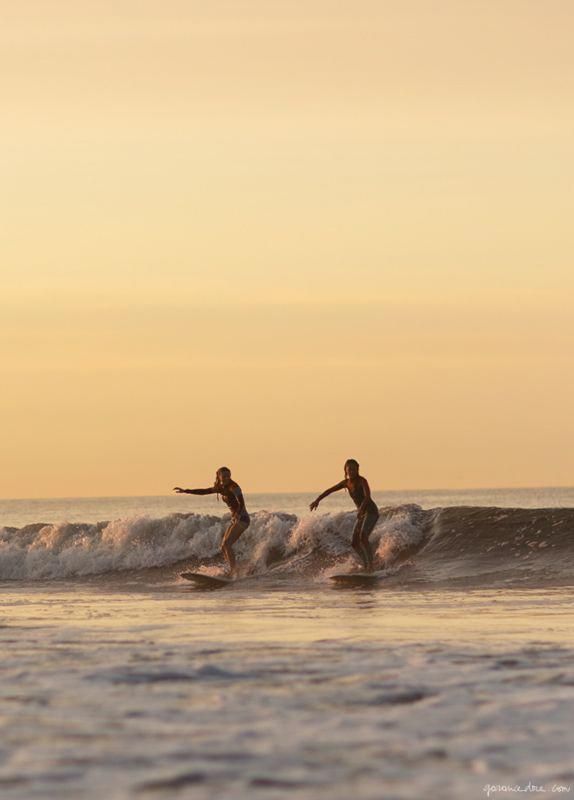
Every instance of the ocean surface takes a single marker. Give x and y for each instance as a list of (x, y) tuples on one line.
[(450, 677)]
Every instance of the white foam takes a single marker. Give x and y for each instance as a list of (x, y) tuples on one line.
[(397, 534), (66, 550)]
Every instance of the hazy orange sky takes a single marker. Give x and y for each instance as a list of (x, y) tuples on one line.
[(276, 234)]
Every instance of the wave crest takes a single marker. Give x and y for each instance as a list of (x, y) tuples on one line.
[(484, 545)]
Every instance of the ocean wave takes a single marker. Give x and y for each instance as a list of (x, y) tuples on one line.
[(484, 545)]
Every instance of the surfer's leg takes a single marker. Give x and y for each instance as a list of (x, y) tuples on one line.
[(369, 522), (357, 543), (230, 536)]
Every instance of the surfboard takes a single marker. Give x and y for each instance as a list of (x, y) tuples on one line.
[(200, 579), (356, 578)]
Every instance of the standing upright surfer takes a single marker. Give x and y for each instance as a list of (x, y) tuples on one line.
[(368, 513), (233, 497)]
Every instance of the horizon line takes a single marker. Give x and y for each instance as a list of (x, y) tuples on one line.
[(302, 492)]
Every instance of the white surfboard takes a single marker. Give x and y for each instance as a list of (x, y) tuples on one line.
[(356, 578), (200, 579)]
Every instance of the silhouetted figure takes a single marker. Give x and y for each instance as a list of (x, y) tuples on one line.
[(233, 497), (368, 513)]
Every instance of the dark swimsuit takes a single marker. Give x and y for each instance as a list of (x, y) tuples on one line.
[(233, 499), (358, 496)]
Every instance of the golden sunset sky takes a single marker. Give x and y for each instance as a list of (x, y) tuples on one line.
[(274, 234)]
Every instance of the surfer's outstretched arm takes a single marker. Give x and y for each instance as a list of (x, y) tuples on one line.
[(326, 493), (211, 490)]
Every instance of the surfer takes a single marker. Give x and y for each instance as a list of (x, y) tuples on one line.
[(233, 497), (368, 513)]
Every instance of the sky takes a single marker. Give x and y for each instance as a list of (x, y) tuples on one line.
[(275, 235)]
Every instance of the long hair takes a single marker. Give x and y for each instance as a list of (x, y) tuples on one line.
[(217, 477)]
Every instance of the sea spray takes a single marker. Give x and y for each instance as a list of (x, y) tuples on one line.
[(457, 543)]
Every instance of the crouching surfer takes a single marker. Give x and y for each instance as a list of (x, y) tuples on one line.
[(232, 496), (368, 513)]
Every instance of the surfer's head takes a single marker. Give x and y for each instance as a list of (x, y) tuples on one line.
[(223, 476), (351, 468)]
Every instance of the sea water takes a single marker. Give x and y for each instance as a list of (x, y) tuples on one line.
[(452, 677)]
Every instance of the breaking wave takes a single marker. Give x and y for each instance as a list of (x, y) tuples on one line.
[(475, 545)]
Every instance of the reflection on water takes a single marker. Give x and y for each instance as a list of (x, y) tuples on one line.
[(253, 608), (273, 689)]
